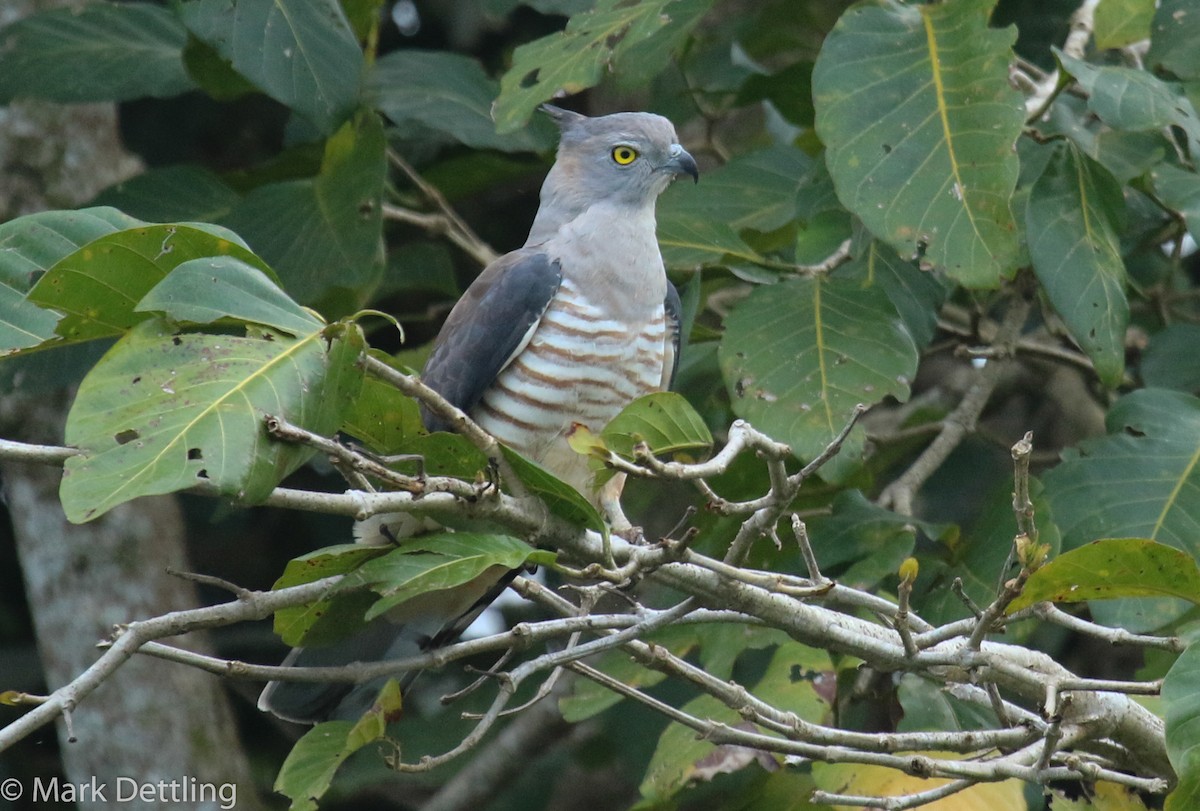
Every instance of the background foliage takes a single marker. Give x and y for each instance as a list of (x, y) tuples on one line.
[(948, 211)]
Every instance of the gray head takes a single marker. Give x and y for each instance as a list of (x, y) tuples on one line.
[(623, 159)]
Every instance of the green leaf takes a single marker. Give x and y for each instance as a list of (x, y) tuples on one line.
[(28, 246), (325, 619), (559, 497), (1179, 189), (699, 225), (755, 190), (979, 554), (1122, 22), (99, 52), (1107, 569), (919, 120), (721, 645), (451, 94), (1169, 362), (1129, 155), (299, 52), (310, 766), (616, 31), (797, 357), (98, 286), (437, 562), (446, 454), (1173, 37), (916, 294), (323, 234), (1073, 220), (382, 418), (859, 543), (688, 243), (1151, 457), (164, 410), (1181, 706), (201, 291), (588, 699), (1133, 99), (172, 194), (23, 324), (665, 421), (34, 243)]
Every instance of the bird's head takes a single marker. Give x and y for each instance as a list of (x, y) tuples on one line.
[(624, 157)]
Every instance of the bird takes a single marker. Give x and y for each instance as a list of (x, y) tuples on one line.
[(560, 333)]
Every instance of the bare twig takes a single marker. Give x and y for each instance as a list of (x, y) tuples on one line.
[(1046, 88), (448, 222), (960, 422)]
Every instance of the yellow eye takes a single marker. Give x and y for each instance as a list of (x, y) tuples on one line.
[(624, 155)]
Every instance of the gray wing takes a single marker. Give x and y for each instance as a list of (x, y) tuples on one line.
[(673, 309), (489, 326)]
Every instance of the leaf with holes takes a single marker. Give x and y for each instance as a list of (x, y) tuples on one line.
[(163, 411), (1173, 36), (576, 58), (1072, 219), (1151, 457), (915, 108), (797, 357)]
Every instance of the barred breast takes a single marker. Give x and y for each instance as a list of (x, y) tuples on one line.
[(580, 366)]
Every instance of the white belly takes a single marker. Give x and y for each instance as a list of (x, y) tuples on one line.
[(579, 367)]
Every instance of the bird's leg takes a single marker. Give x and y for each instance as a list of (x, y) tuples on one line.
[(609, 501), (491, 483)]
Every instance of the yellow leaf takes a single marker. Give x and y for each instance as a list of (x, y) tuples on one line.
[(584, 442), (879, 781), (1103, 796)]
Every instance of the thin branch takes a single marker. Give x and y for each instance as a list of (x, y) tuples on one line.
[(129, 638), (1048, 612), (1082, 23), (455, 417), (830, 620), (960, 422), (448, 222)]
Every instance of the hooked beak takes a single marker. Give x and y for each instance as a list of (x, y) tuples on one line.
[(682, 163)]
